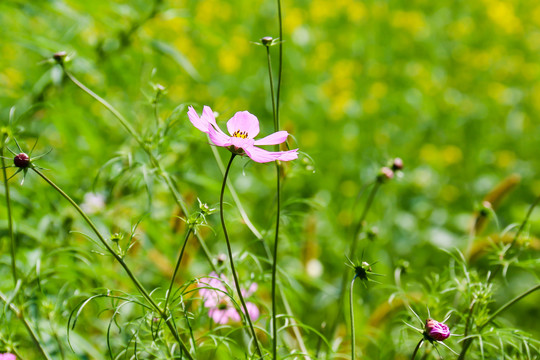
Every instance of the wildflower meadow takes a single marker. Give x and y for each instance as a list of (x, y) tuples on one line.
[(269, 179)]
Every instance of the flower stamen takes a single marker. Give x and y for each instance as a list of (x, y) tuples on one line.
[(240, 134)]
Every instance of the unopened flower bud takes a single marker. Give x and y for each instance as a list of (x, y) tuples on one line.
[(116, 237), (372, 233), (485, 208), (436, 330), (385, 174), (267, 40), (397, 164), (21, 160), (60, 56), (221, 258)]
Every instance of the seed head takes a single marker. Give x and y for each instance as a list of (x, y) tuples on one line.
[(21, 161)]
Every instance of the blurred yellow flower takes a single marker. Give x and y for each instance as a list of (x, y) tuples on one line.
[(411, 21), (503, 15)]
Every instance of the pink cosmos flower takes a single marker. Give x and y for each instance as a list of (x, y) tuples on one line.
[(243, 127), (436, 330), (7, 356), (221, 308)]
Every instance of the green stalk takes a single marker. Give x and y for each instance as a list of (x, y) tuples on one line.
[(155, 162), (20, 315), (229, 250), (518, 233), (525, 221), (352, 251), (10, 219), (417, 348), (353, 337), (119, 259), (278, 197), (467, 343), (180, 256), (280, 69), (243, 214)]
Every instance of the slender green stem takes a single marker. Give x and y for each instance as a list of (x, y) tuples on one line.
[(118, 258), (353, 337), (180, 256), (274, 263), (10, 219), (20, 315), (417, 348), (352, 250), (517, 235), (236, 199), (278, 198), (359, 226), (229, 250), (274, 109), (258, 235), (508, 304), (155, 162), (525, 221), (280, 69), (467, 343)]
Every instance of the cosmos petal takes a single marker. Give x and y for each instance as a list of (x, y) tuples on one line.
[(288, 155), (200, 123), (273, 139), (261, 156), (243, 121), (218, 138), (209, 116)]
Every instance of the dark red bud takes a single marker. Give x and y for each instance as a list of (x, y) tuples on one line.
[(21, 160)]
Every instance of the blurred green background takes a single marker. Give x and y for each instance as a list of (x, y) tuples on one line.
[(451, 87)]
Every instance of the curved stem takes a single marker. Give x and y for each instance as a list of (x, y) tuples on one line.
[(20, 315), (119, 259), (155, 162), (10, 219), (467, 342), (522, 226), (234, 194), (516, 236), (229, 250), (417, 348), (352, 251), (180, 256), (353, 337), (508, 304)]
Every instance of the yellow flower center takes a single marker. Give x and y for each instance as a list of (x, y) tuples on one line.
[(240, 134)]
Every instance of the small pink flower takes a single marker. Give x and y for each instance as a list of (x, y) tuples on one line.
[(221, 308), (436, 330), (242, 127), (7, 356)]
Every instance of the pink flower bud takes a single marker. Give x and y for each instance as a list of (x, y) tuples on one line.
[(385, 174), (397, 164), (21, 160), (436, 330)]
